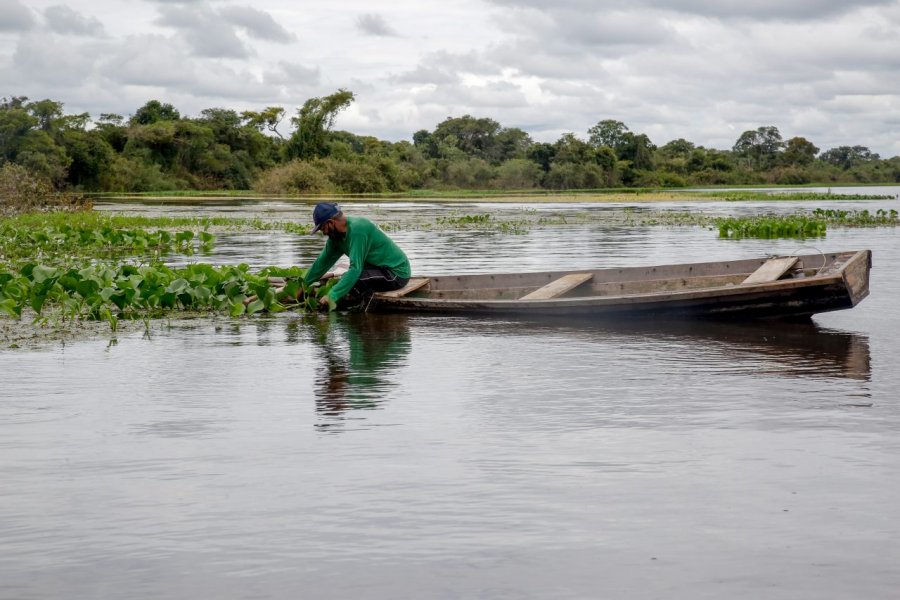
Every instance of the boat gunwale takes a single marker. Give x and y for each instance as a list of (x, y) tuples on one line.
[(731, 290)]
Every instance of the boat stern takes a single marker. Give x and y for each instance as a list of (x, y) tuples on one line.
[(856, 275)]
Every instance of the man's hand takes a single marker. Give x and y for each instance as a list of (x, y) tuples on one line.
[(326, 303)]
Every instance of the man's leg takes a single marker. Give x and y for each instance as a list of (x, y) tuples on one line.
[(378, 279)]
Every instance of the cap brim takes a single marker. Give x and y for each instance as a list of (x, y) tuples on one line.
[(316, 229)]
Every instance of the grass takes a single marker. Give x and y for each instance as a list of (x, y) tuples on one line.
[(732, 196), (620, 194)]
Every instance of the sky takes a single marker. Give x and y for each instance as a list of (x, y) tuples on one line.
[(702, 70)]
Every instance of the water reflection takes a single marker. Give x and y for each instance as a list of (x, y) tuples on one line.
[(802, 349), (359, 359)]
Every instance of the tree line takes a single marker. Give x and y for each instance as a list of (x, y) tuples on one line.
[(159, 149)]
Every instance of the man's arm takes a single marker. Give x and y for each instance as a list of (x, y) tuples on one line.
[(325, 261), (359, 249)]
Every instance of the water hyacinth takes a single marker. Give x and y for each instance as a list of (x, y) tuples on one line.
[(110, 293), (63, 240), (770, 227)]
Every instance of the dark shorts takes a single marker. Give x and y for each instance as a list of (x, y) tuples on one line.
[(378, 279)]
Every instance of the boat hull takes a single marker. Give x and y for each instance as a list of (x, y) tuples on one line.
[(705, 290)]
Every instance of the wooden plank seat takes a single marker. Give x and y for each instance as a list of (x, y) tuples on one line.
[(771, 270), (558, 287), (412, 285)]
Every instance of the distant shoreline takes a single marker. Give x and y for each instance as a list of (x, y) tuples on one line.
[(711, 194)]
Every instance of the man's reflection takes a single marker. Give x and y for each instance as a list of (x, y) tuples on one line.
[(361, 354)]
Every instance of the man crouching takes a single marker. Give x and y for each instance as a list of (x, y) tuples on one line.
[(377, 264)]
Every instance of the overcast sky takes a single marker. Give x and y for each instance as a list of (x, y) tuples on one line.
[(704, 70)]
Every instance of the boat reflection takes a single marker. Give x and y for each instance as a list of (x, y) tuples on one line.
[(360, 357), (793, 349)]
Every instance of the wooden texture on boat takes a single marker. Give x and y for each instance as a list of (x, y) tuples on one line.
[(813, 283), (771, 270), (412, 285), (558, 287)]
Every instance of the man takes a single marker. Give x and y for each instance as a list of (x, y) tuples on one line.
[(377, 264)]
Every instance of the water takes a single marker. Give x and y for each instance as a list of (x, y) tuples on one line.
[(434, 457)]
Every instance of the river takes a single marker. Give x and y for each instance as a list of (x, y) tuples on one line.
[(436, 457)]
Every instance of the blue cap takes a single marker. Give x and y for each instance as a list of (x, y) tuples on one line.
[(324, 211)]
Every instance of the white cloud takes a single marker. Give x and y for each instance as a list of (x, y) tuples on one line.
[(205, 31), (764, 10), (62, 19), (16, 16), (257, 23), (704, 70), (377, 25)]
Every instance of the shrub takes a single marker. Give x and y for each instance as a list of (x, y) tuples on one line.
[(353, 177), (20, 191), (135, 175), (518, 174), (295, 177)]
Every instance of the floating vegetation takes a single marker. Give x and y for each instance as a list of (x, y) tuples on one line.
[(770, 227), (742, 196), (127, 291), (858, 218), (58, 242), (484, 222)]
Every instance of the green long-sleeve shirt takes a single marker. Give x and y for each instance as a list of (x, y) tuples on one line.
[(364, 244)]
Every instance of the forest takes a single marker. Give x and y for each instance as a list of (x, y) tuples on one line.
[(157, 149)]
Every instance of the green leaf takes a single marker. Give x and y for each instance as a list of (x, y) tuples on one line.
[(10, 307), (255, 306), (179, 286), (42, 273)]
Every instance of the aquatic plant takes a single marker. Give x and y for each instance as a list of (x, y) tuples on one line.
[(464, 220), (61, 240), (771, 226), (858, 218), (739, 196), (128, 291)]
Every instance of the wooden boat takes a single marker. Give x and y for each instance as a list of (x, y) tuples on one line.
[(785, 287)]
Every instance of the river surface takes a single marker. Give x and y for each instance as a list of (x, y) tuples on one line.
[(417, 457)]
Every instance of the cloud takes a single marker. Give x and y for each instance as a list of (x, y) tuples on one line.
[(425, 74), (43, 59), (207, 33), (375, 25), (62, 19), (293, 74), (257, 23), (698, 69), (16, 16), (764, 10)]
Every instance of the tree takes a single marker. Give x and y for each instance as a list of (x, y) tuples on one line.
[(848, 156), (510, 143), (47, 113), (266, 119), (542, 154), (799, 151), (15, 122), (760, 147), (569, 149), (111, 127), (680, 148), (91, 157), (638, 149), (476, 138), (154, 111), (609, 133), (313, 122), (425, 142)]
